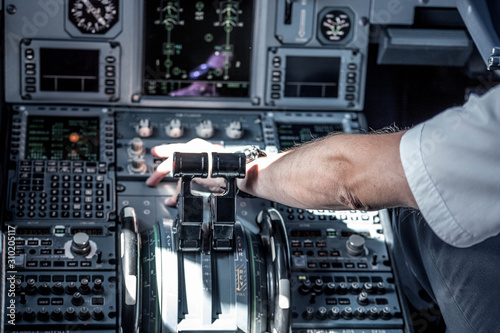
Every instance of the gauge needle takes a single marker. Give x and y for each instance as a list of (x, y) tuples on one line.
[(94, 11)]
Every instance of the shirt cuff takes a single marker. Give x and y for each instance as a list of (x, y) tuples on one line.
[(427, 195)]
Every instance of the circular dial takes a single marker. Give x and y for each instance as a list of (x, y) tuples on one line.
[(93, 16), (335, 25)]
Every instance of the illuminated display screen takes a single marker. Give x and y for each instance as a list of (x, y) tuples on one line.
[(198, 48), (69, 70), (312, 77), (290, 135), (60, 138)]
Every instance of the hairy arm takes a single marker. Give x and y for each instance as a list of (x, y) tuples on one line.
[(336, 172)]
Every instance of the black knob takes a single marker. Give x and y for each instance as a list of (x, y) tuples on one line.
[(305, 288), (385, 313), (347, 313), (84, 288), (18, 286), (31, 287), (368, 287), (334, 313), (318, 286), (57, 288), (29, 314), (71, 288), (97, 314), (363, 298), (354, 288), (84, 313), (44, 289), (97, 288), (373, 313), (70, 313), (308, 313), (77, 299), (57, 314), (330, 288), (321, 313), (342, 288), (80, 244), (360, 313), (43, 314), (380, 287)]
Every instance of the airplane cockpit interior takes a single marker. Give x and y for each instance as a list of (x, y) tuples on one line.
[(89, 87)]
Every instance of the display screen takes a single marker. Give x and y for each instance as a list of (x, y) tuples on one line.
[(35, 231), (312, 77), (62, 138), (306, 233), (198, 48), (290, 135), (88, 231), (69, 70)]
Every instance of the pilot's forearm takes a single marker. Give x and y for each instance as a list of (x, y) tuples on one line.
[(336, 172)]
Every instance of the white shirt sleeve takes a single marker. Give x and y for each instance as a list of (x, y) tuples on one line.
[(452, 164)]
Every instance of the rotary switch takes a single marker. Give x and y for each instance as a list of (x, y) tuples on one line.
[(144, 129), (136, 147), (174, 129), (205, 129), (80, 244), (235, 130)]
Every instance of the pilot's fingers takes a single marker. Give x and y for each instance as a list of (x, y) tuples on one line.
[(172, 201), (193, 146), (161, 171)]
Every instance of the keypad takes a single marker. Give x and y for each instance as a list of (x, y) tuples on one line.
[(61, 190)]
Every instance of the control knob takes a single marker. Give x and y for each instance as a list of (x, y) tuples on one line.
[(136, 147), (57, 314), (84, 288), (235, 130), (29, 314), (70, 313), (58, 289), (31, 287), (77, 299), (205, 129), (80, 244), (174, 129), (137, 165), (144, 128), (43, 314), (97, 288), (308, 313), (84, 313), (334, 313), (355, 245), (321, 313), (97, 314), (363, 298)]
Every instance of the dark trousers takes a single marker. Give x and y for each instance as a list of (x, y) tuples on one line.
[(463, 282)]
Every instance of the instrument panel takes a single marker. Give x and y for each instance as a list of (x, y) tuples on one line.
[(91, 86)]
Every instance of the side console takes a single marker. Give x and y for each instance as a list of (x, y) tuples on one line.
[(341, 271), (59, 233)]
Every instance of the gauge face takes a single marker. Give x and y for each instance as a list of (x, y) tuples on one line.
[(93, 16), (335, 26)]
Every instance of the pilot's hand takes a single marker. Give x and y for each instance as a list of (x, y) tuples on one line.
[(193, 146)]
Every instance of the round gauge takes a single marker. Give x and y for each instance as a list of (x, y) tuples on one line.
[(93, 16), (335, 26)]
